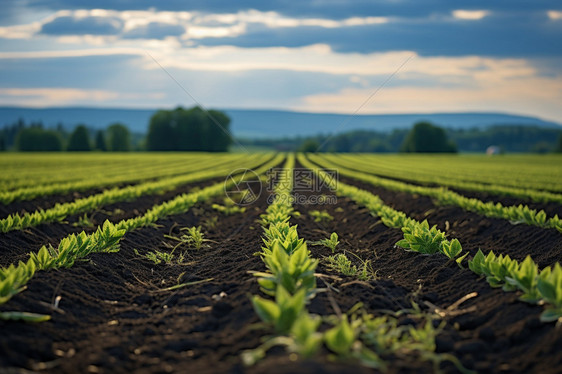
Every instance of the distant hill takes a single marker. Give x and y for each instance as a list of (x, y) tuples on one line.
[(270, 123)]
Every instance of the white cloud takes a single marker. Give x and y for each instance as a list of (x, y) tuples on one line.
[(472, 15), (554, 14), (528, 95), (276, 20), (44, 97), (198, 25), (57, 95), (424, 84), (20, 31)]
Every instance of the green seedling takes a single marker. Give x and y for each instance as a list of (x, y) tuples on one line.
[(549, 285), (286, 235), (420, 238), (282, 313), (306, 338), (329, 243), (24, 316), (72, 248), (210, 223), (228, 209), (452, 249), (321, 216), (157, 257), (276, 213), (84, 221), (340, 338), (343, 265), (293, 272), (303, 339), (194, 238), (496, 269), (524, 277), (75, 247)]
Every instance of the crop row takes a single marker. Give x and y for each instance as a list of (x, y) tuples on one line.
[(520, 171), (130, 177), (14, 278), (545, 287), (407, 172), (60, 211), (515, 214), (290, 281), (19, 177)]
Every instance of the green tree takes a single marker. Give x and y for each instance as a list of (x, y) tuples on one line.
[(425, 137), (79, 140), (36, 139), (119, 138), (559, 146), (309, 145), (100, 141), (188, 130)]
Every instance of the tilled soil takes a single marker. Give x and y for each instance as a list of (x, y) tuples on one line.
[(32, 238), (115, 314)]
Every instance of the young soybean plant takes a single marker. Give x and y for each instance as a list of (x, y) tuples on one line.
[(549, 284), (343, 265), (331, 243), (321, 216), (194, 238), (537, 287)]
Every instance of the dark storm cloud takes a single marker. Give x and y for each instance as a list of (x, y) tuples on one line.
[(494, 35), (155, 30), (68, 25)]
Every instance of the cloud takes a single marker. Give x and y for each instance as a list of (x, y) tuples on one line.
[(325, 9), (89, 25), (472, 15), (506, 33), (155, 30), (55, 96), (526, 95), (309, 78), (324, 54), (497, 34), (554, 14)]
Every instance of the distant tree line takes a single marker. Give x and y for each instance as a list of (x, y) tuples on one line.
[(508, 138), (169, 130), (36, 138), (197, 130)]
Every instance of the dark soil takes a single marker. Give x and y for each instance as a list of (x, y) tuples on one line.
[(114, 315), (501, 334), (31, 239), (475, 231)]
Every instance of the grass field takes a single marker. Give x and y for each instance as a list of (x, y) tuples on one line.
[(332, 263)]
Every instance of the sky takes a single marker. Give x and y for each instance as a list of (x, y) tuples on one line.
[(339, 56)]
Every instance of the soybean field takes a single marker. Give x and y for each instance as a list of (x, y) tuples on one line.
[(280, 263)]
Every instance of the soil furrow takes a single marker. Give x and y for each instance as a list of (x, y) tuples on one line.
[(15, 245), (473, 230), (117, 319), (487, 338)]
